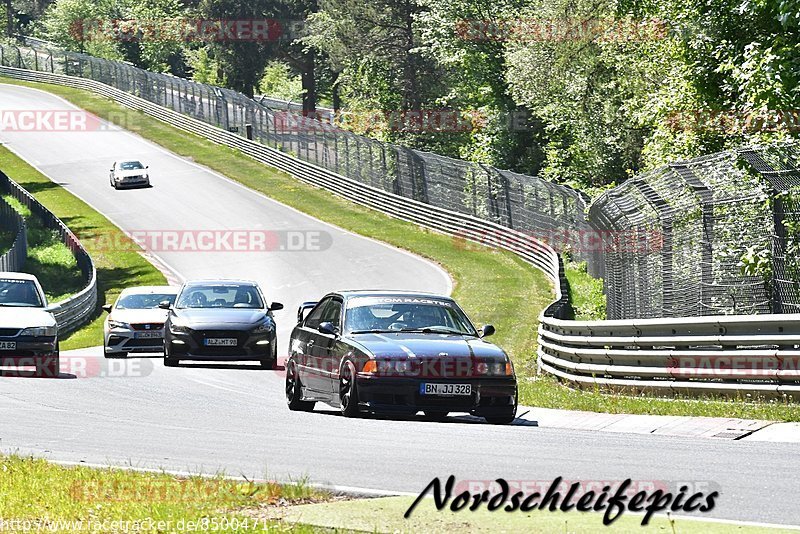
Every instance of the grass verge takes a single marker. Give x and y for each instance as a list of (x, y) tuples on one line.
[(48, 259), (493, 286), (116, 269), (386, 515), (50, 498)]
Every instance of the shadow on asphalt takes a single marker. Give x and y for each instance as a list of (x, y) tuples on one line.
[(450, 419), (238, 367), (22, 373)]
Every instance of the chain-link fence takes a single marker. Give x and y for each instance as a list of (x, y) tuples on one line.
[(536, 207), (715, 235), (711, 236)]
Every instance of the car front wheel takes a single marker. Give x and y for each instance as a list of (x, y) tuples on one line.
[(506, 418), (49, 366), (271, 361), (348, 390)]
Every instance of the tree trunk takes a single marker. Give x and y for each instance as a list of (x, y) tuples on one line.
[(335, 96), (309, 85), (9, 20)]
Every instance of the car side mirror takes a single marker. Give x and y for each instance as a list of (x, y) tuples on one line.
[(147, 166), (106, 307), (327, 328), (275, 306), (52, 308), (487, 330), (164, 305)]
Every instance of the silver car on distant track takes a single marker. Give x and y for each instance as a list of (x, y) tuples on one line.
[(128, 174), (135, 323)]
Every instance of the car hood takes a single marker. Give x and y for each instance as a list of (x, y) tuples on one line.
[(403, 345), (12, 317), (152, 315), (132, 172), (218, 316)]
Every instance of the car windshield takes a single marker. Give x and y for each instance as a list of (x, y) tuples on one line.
[(21, 293), (406, 314), (130, 165), (220, 296), (143, 301)]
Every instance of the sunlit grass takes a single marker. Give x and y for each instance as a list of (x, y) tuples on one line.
[(88, 499)]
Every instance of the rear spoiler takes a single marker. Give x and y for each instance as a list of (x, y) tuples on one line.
[(304, 307)]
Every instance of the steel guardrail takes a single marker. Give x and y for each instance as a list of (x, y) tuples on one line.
[(694, 355), (77, 309)]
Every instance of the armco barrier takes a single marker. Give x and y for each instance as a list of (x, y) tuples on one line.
[(14, 257), (75, 310), (686, 355)]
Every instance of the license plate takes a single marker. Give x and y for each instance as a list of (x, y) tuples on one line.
[(149, 335), (8, 345), (220, 342), (445, 389)]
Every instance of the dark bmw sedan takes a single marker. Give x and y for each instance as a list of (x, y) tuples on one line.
[(385, 352), (220, 320)]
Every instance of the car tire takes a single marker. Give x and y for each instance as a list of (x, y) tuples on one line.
[(271, 361), (435, 416), (348, 391), (110, 355), (504, 419), (48, 367), (294, 390)]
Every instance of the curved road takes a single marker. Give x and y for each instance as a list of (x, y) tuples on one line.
[(235, 419)]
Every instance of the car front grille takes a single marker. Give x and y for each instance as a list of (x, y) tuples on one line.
[(9, 332), (147, 326)]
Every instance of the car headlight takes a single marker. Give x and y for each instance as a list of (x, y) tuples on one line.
[(178, 329), (261, 329), (118, 324), (39, 331), (494, 368)]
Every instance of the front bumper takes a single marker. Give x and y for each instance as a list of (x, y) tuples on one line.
[(490, 395), (131, 182), (191, 346), (124, 340), (28, 350)]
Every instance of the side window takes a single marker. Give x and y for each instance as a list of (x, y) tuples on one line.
[(333, 313), (315, 317)]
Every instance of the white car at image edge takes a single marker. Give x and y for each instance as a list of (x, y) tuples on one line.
[(28, 329)]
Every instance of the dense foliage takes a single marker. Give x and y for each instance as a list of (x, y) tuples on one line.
[(586, 92)]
